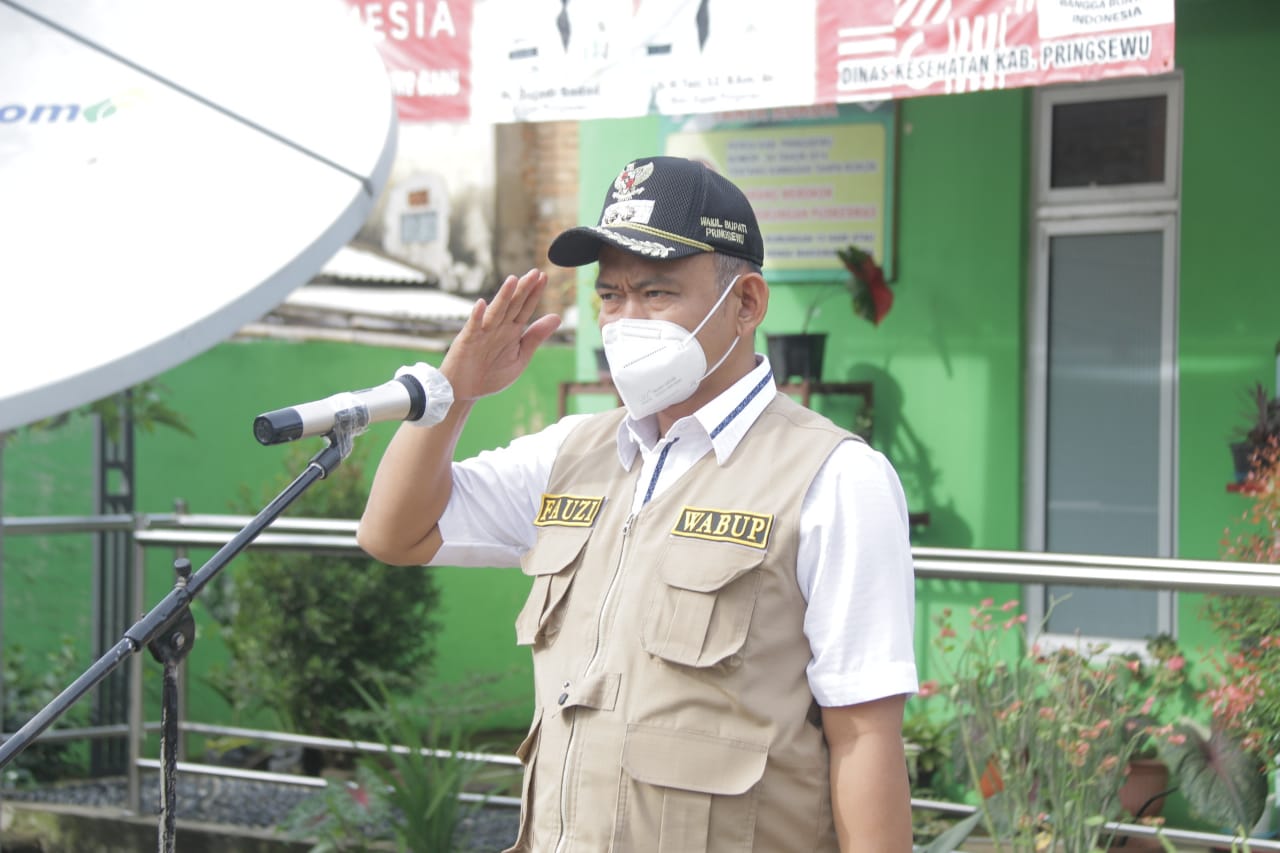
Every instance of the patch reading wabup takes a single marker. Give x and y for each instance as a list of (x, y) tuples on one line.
[(568, 511), (718, 525)]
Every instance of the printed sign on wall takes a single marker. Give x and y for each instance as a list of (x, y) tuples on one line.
[(817, 184)]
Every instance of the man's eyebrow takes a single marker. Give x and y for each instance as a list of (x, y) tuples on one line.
[(659, 279)]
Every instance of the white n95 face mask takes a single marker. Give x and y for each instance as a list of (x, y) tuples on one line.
[(656, 363)]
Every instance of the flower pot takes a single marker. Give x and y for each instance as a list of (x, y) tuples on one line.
[(1142, 795), (1241, 459), (797, 356)]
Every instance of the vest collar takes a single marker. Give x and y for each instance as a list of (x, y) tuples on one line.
[(724, 420)]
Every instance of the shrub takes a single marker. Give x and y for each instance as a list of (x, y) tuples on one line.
[(1246, 696), (28, 688), (305, 630)]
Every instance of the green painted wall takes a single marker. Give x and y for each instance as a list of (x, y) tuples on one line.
[(48, 580), (1229, 305), (1229, 311)]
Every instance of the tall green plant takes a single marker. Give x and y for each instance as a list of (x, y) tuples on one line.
[(423, 781), (304, 630), (408, 795)]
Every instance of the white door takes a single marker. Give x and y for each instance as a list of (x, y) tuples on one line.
[(1101, 392)]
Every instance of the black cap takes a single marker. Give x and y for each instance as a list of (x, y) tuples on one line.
[(666, 208)]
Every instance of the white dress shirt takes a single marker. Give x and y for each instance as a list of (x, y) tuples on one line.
[(854, 567)]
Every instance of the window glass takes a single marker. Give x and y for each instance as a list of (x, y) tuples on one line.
[(1104, 395), (1108, 143)]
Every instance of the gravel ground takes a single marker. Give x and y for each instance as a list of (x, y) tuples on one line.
[(236, 802)]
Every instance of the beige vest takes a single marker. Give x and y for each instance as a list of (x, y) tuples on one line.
[(672, 709)]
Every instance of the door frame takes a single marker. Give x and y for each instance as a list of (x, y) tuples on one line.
[(1037, 374)]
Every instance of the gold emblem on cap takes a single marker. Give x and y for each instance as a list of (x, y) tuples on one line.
[(721, 525)]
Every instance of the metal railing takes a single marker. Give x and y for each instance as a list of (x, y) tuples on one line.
[(331, 536)]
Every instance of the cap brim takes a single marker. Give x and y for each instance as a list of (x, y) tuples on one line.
[(580, 246)]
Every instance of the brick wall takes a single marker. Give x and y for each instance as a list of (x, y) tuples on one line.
[(537, 198)]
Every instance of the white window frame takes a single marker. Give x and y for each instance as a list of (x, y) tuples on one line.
[(1123, 195)]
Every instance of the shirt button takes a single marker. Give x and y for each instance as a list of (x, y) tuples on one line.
[(563, 698)]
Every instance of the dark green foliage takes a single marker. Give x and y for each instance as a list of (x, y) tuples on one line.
[(28, 687), (407, 795), (1221, 780), (304, 630), (146, 406), (346, 815), (1261, 421), (931, 739), (422, 782), (952, 837)]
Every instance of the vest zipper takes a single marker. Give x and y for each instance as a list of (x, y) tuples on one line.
[(573, 724)]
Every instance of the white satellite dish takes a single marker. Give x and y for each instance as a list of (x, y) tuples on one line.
[(170, 171)]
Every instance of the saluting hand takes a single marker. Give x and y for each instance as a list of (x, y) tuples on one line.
[(497, 342)]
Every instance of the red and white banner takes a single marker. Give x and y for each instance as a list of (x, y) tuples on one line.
[(876, 49), (426, 46), (587, 59), (537, 60)]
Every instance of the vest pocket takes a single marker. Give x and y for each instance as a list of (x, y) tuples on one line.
[(552, 562), (686, 792), (701, 608), (527, 752)]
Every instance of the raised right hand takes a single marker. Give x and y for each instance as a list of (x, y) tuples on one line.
[(497, 342)]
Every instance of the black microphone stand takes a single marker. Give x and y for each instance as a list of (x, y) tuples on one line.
[(169, 631)]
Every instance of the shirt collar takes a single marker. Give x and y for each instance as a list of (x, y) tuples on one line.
[(724, 420)]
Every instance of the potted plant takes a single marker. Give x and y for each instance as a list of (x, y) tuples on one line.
[(797, 355), (1261, 428), (800, 354), (1242, 740), (1156, 685)]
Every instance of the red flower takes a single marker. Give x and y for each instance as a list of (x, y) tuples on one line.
[(872, 297), (991, 782)]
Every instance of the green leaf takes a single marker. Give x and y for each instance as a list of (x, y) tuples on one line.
[(953, 837), (1221, 780)]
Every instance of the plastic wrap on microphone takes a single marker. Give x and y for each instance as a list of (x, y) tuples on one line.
[(349, 413)]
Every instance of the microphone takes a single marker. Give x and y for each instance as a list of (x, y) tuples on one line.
[(348, 413)]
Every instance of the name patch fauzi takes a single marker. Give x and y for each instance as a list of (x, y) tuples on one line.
[(568, 511), (720, 525)]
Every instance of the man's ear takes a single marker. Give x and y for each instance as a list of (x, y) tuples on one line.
[(753, 301)]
